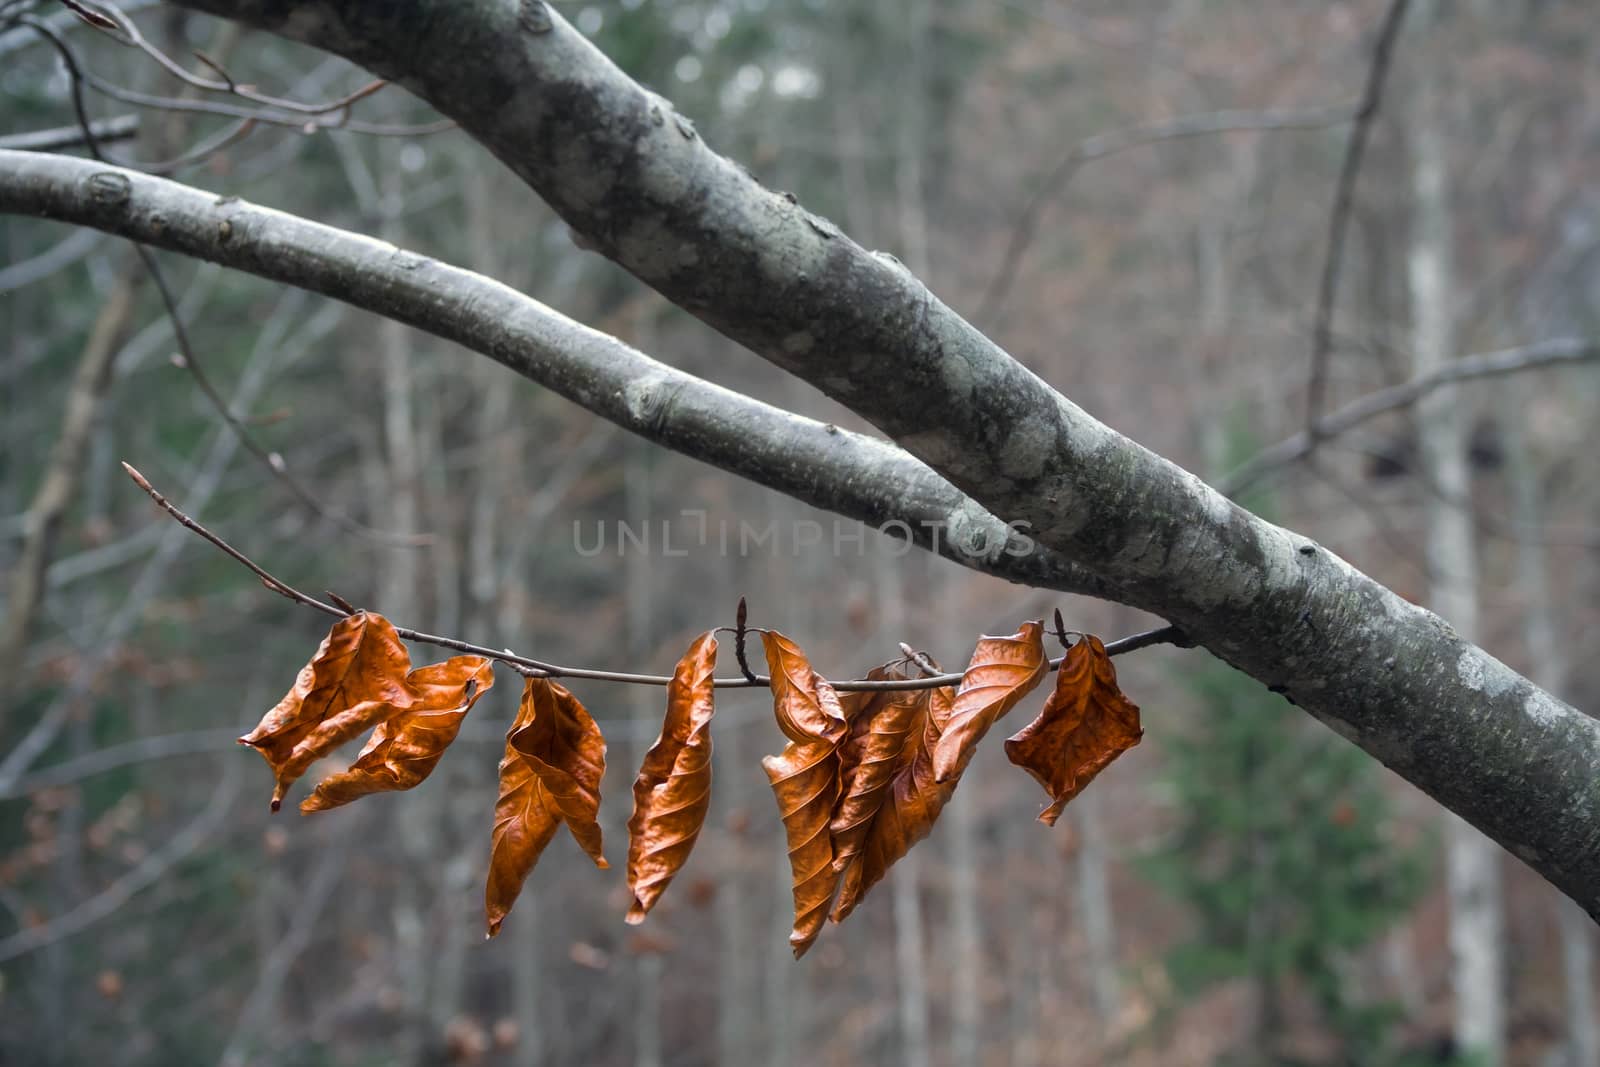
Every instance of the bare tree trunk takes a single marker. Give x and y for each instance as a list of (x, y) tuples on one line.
[(63, 471), (910, 182), (489, 615), (968, 948), (738, 1002), (528, 986), (647, 969), (1474, 861), (1547, 659), (1094, 909), (910, 961), (398, 583), (398, 580)]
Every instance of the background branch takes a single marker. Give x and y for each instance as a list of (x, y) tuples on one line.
[(1343, 203), (1540, 354)]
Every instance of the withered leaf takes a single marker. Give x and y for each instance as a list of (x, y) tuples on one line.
[(805, 780), (880, 721), (913, 799), (1086, 723), (404, 750), (356, 679), (550, 774), (673, 791), (1003, 671)]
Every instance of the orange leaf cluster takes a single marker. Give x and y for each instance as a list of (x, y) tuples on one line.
[(361, 678), (860, 780)]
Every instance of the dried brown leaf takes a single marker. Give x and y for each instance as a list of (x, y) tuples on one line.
[(554, 759), (673, 791), (913, 799), (1003, 671), (1086, 723), (355, 680), (523, 826), (870, 756), (404, 750), (805, 780)]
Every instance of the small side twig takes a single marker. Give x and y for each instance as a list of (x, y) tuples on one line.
[(1063, 634), (739, 618), (926, 665), (339, 601), (189, 361), (1343, 206)]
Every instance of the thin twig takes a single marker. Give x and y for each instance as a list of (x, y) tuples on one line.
[(120, 128), (1026, 225), (1483, 365), (81, 76), (924, 664), (538, 668), (204, 150), (189, 361), (125, 31), (1343, 204)]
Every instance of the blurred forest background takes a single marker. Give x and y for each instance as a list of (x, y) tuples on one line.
[(1244, 887)]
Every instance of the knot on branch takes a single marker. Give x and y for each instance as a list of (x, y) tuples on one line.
[(534, 17), (108, 188)]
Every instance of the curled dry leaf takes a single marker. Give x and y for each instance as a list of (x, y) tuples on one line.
[(404, 750), (1086, 723), (673, 791), (913, 798), (356, 679), (805, 780), (1003, 671), (880, 721), (550, 774)]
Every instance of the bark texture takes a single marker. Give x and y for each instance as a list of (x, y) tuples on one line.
[(636, 182)]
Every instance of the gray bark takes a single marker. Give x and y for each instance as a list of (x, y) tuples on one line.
[(637, 183)]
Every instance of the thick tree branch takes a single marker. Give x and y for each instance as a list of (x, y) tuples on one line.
[(635, 180), (860, 477)]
